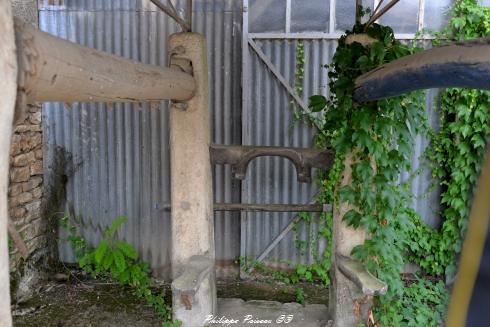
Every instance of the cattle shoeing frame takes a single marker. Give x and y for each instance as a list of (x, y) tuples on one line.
[(38, 67)]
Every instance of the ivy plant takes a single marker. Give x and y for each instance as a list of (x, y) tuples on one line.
[(458, 147), (118, 260)]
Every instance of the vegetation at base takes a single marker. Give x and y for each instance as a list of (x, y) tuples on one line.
[(117, 260)]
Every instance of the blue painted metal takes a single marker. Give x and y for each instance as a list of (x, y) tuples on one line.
[(457, 65)]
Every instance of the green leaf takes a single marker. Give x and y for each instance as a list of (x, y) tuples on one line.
[(352, 218), (317, 103), (119, 260), (115, 226), (108, 260), (127, 249), (100, 251)]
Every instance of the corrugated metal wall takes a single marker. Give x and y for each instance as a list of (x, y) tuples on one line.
[(116, 157), (270, 121)]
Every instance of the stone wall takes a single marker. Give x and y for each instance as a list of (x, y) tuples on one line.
[(26, 183)]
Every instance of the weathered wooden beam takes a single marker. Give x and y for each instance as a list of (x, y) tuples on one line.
[(53, 69), (462, 64), (240, 156), (8, 87)]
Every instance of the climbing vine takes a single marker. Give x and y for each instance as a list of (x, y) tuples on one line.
[(381, 132), (456, 151), (379, 136)]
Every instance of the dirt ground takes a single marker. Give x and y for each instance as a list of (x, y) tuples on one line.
[(78, 303)]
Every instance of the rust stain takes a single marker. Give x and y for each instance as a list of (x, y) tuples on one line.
[(186, 301)]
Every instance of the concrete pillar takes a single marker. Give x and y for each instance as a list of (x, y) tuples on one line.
[(347, 302), (194, 291), (8, 85)]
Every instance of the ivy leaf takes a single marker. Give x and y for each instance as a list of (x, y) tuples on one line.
[(352, 218), (347, 194), (317, 103)]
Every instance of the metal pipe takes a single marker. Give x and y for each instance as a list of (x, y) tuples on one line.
[(462, 64), (53, 69), (268, 207)]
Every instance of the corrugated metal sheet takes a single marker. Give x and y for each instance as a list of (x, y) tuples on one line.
[(116, 157), (269, 121)]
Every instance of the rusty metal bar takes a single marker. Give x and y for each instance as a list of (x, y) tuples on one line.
[(52, 69), (268, 207), (240, 156)]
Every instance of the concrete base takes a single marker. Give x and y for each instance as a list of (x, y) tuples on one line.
[(194, 292), (236, 312)]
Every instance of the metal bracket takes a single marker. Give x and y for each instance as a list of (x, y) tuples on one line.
[(240, 156)]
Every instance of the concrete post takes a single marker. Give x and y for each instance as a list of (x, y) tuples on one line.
[(8, 85), (194, 291), (346, 298)]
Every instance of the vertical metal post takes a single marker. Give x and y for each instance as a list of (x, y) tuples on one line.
[(331, 27), (8, 85), (421, 15), (189, 14), (245, 113), (193, 287), (288, 16)]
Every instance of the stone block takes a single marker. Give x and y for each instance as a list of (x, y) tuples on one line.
[(34, 206), (39, 154), (25, 142), (20, 174), (37, 193), (24, 159), (35, 118), (17, 213), (34, 108), (32, 183), (23, 128), (32, 230), (15, 189), (24, 197), (36, 243), (37, 168)]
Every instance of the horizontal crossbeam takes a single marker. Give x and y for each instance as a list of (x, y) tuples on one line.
[(462, 64), (240, 156)]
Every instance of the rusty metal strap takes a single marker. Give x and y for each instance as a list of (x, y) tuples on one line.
[(240, 156)]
